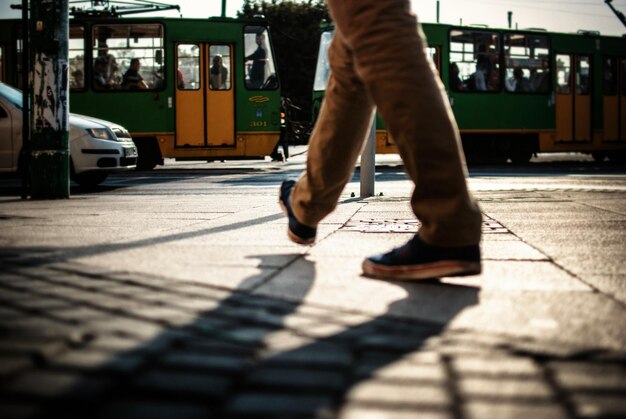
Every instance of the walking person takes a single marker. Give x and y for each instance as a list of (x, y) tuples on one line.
[(378, 58)]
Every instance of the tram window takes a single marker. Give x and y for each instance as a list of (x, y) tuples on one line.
[(188, 70), (322, 71), (220, 68), (563, 74), (609, 76), (128, 56), (260, 69), (433, 56), (582, 75), (474, 60), (526, 63), (76, 57)]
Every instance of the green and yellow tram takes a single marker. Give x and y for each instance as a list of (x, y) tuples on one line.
[(519, 92), (208, 88)]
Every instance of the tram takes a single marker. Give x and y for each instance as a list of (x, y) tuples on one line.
[(519, 92), (189, 89)]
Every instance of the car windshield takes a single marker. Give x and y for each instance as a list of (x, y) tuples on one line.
[(12, 95)]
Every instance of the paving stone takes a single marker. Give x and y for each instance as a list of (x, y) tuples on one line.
[(403, 371), (319, 354), (357, 411), (89, 360), (42, 304), (153, 409), (167, 315), (599, 405), (583, 376), (413, 395), (504, 389), (495, 367), (128, 327), (58, 385), (204, 361), (79, 314), (281, 406), (507, 410), (392, 342), (184, 384), (295, 379), (285, 340)]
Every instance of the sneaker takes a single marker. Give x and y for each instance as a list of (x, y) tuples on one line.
[(297, 232), (418, 260)]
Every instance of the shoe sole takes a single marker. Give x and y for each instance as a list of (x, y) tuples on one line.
[(293, 237), (423, 271)]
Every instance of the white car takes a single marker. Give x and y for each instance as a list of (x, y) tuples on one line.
[(97, 147)]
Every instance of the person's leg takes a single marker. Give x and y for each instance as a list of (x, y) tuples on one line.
[(390, 59), (336, 139)]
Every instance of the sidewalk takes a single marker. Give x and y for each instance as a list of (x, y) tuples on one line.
[(185, 299)]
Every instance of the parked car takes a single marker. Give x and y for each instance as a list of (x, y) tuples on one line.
[(97, 147)]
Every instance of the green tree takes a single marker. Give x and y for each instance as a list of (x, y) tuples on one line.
[(295, 31)]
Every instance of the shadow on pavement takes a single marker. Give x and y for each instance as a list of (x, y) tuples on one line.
[(253, 356)]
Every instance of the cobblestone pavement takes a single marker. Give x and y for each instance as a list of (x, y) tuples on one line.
[(79, 342), (177, 295)]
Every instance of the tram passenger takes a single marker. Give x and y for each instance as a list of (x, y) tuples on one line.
[(180, 79), (132, 79), (518, 83), (402, 84), (111, 69), (219, 74), (455, 81), (100, 81), (480, 77), (259, 59)]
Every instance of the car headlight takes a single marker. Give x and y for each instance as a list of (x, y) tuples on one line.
[(100, 133)]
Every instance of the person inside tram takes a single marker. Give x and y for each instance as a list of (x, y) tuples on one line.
[(219, 74), (479, 78), (455, 80), (132, 79), (111, 69), (518, 83), (259, 59), (100, 81)]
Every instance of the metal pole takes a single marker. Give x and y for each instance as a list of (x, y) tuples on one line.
[(49, 32), (510, 16), (25, 152), (437, 11), (223, 8), (368, 162)]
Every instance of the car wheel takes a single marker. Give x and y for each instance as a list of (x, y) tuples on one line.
[(88, 179)]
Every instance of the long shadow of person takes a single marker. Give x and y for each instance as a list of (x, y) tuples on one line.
[(253, 356), (381, 361)]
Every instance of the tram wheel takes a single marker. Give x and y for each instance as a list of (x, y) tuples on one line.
[(599, 156), (521, 156)]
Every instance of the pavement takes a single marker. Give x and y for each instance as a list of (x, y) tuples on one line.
[(176, 294)]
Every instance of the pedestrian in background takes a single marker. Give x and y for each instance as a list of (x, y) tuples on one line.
[(377, 58)]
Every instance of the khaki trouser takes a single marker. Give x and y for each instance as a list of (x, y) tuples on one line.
[(378, 57)]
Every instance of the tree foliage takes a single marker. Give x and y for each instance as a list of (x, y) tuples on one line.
[(295, 31)]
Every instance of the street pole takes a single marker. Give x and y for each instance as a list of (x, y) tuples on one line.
[(368, 162), (25, 152), (49, 31)]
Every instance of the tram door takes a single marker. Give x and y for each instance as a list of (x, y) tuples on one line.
[(205, 98), (573, 98)]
